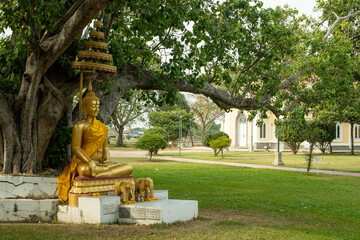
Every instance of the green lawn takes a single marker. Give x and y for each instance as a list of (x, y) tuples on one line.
[(234, 203), (115, 148), (337, 161)]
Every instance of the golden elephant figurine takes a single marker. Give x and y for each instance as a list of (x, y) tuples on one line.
[(127, 188), (145, 185)]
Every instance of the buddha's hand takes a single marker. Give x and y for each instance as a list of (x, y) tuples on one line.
[(103, 162)]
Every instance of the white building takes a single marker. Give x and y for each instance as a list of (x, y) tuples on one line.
[(247, 135)]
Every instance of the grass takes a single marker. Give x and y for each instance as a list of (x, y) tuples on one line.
[(130, 147), (336, 161), (234, 203), (113, 147)]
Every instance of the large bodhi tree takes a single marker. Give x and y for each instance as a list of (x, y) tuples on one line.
[(237, 53)]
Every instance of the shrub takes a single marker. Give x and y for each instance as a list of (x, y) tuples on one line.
[(293, 132), (325, 133), (151, 142), (213, 136), (157, 130), (219, 144)]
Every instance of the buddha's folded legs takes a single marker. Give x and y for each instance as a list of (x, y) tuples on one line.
[(117, 169), (111, 170)]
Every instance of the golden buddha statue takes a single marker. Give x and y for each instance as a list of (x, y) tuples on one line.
[(90, 147)]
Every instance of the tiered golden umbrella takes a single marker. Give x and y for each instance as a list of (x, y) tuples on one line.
[(94, 58)]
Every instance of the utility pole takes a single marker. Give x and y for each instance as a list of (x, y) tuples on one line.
[(278, 154), (190, 134), (180, 131)]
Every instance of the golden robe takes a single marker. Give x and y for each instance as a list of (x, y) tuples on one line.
[(93, 139)]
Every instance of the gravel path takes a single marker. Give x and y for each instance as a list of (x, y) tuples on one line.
[(143, 154)]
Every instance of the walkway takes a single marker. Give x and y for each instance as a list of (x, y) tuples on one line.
[(143, 154)]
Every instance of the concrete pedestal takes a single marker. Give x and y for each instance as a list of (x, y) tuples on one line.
[(99, 209), (28, 210), (27, 187), (107, 209), (278, 159), (162, 211), (27, 199)]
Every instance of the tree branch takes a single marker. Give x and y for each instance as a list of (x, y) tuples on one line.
[(338, 19), (111, 22), (72, 28), (62, 19)]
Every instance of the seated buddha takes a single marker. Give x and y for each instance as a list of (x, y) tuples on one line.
[(90, 148)]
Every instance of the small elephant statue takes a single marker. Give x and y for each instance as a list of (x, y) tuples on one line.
[(145, 185), (127, 188)]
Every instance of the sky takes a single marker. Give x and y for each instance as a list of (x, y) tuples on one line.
[(303, 6)]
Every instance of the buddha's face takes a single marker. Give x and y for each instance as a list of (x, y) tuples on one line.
[(92, 109)]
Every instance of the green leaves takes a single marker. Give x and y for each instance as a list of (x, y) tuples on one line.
[(170, 122), (219, 144), (213, 136), (151, 142)]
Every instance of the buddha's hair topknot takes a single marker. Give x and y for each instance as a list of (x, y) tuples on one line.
[(90, 96)]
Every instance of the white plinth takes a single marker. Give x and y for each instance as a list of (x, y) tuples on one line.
[(28, 210), (27, 187), (161, 211), (278, 159), (161, 194), (107, 209), (99, 209)]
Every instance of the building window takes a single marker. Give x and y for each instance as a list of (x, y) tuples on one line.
[(262, 130), (338, 131), (357, 131), (242, 118)]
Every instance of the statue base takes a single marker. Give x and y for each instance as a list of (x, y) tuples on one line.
[(107, 209), (85, 187), (28, 198)]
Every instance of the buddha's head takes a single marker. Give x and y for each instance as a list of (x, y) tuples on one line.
[(91, 103)]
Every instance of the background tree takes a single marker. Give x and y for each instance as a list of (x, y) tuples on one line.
[(151, 142), (346, 110), (213, 136), (172, 103), (157, 130), (206, 112), (218, 145), (327, 120), (129, 110), (292, 131), (326, 134), (170, 122)]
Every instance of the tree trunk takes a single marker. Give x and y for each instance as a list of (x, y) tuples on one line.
[(203, 133), (120, 141), (28, 99), (330, 148), (1, 151), (70, 125), (352, 138), (322, 146), (10, 137), (294, 147), (310, 157)]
